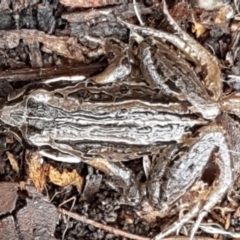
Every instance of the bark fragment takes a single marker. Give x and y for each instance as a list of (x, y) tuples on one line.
[(63, 46), (88, 3)]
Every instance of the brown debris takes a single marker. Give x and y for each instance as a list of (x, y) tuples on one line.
[(5, 5), (88, 3), (37, 220), (22, 4), (126, 11), (223, 15), (180, 12), (35, 55), (8, 193), (13, 162), (227, 221), (237, 213), (8, 229), (198, 29), (36, 170), (38, 173), (235, 27), (65, 178), (101, 164), (91, 186), (63, 46)]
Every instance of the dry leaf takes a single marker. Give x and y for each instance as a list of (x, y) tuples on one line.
[(198, 29), (128, 218), (223, 15), (180, 11), (13, 162), (100, 164), (37, 171), (235, 27), (10, 139), (65, 178)]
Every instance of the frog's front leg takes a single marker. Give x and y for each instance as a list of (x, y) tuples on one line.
[(189, 168), (197, 51)]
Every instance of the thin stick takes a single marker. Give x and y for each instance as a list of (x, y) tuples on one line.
[(118, 231), (101, 226), (237, 77), (68, 217)]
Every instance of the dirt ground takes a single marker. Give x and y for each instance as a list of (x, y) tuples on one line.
[(82, 44)]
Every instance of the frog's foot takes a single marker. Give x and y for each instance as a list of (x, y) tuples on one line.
[(208, 143), (177, 225)]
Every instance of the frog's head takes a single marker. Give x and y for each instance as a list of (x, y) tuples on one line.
[(13, 115)]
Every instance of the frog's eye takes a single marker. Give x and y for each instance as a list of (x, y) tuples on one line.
[(149, 41), (124, 89), (124, 61), (58, 95), (110, 55), (122, 112)]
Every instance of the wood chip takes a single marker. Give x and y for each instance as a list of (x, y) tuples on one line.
[(37, 171), (64, 46), (8, 193), (13, 162), (65, 178), (37, 220), (198, 29)]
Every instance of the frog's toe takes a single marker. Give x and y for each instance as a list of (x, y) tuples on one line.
[(177, 225), (197, 224)]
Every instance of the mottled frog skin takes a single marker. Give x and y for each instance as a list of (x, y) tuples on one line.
[(90, 119)]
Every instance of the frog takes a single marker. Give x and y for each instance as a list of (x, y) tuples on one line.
[(106, 121)]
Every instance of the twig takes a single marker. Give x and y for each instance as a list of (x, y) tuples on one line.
[(120, 232), (186, 238), (68, 217), (137, 13), (102, 226), (27, 74), (236, 77)]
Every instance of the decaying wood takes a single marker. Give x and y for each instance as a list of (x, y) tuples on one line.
[(126, 11), (64, 46)]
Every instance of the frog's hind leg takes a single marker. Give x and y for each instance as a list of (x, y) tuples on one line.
[(225, 181), (223, 184)]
